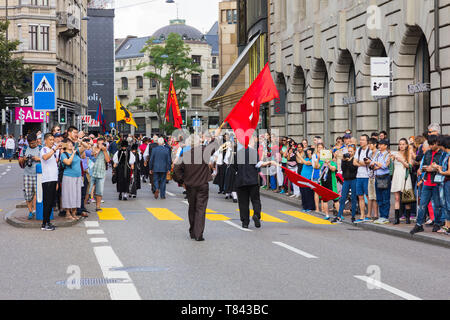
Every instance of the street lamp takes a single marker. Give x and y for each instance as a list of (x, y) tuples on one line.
[(176, 3)]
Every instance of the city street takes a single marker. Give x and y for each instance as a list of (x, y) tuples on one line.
[(144, 245)]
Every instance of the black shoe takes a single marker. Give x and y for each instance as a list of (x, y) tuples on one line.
[(436, 228), (62, 214), (48, 227), (163, 198), (98, 209), (397, 217), (184, 192), (227, 197), (235, 200), (416, 229), (192, 237), (244, 225), (125, 199), (200, 239), (120, 196), (257, 221), (353, 220)]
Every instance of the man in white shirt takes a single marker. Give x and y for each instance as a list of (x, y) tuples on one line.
[(10, 146), (49, 162), (362, 177)]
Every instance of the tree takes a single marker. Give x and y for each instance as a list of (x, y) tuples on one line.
[(15, 80), (170, 59)]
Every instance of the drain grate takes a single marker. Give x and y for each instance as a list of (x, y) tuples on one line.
[(92, 281), (140, 269)]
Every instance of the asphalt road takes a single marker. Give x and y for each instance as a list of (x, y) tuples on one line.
[(151, 257)]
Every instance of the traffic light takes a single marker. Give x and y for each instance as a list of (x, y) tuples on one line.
[(7, 115), (184, 116), (62, 115)]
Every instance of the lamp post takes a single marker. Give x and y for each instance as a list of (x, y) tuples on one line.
[(176, 3), (81, 65)]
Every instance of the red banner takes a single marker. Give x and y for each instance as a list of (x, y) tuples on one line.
[(326, 194)]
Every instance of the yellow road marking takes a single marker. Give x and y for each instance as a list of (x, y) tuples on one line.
[(214, 216), (164, 214), (266, 217), (110, 214), (307, 217)]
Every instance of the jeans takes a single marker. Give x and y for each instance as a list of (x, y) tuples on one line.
[(346, 187), (383, 200), (2, 152), (429, 194), (9, 153), (446, 205), (159, 178)]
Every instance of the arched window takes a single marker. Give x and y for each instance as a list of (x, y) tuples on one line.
[(124, 83), (352, 116), (422, 75)]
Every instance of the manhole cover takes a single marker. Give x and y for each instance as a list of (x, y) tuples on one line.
[(92, 281), (140, 269)]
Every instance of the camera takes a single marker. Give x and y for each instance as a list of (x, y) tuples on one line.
[(346, 156), (29, 161), (86, 140)]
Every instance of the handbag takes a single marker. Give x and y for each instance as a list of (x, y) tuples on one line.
[(382, 182), (408, 196), (114, 177)]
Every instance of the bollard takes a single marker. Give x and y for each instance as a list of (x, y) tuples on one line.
[(40, 195)]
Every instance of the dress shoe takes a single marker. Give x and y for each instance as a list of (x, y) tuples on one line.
[(200, 239), (120, 196), (257, 221), (235, 200), (156, 194), (436, 228), (244, 225)]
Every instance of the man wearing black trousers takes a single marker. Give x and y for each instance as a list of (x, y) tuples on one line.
[(49, 164), (247, 165)]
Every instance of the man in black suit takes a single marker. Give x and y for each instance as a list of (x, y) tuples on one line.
[(147, 154), (246, 165)]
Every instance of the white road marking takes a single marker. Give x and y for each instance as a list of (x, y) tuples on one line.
[(237, 226), (3, 173), (300, 252), (95, 231), (108, 260), (386, 287), (9, 167), (98, 240), (91, 224), (170, 194)]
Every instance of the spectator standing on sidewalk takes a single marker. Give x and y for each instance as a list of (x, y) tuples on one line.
[(100, 153), (380, 164), (10, 146), (3, 146), (444, 170), (362, 178), (28, 162), (49, 161), (372, 199)]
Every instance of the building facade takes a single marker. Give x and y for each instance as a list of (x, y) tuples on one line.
[(101, 63), (320, 55), (52, 35), (131, 84)]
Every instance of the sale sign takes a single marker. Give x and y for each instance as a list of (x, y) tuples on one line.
[(28, 115)]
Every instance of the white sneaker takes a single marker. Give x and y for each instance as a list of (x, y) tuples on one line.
[(378, 221), (385, 221), (429, 222), (293, 196)]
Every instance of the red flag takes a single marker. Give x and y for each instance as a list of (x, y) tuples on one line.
[(298, 180), (173, 114), (244, 117)]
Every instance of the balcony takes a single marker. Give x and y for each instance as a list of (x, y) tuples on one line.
[(122, 92), (67, 24)]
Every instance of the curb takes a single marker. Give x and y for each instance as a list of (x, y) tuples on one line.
[(421, 237), (35, 224)]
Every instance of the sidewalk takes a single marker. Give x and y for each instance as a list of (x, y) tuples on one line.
[(401, 230), (19, 218)]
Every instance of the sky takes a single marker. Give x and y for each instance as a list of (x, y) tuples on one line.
[(143, 20)]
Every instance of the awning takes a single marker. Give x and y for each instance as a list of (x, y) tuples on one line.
[(232, 74)]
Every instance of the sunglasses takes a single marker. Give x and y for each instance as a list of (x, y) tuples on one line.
[(352, 145)]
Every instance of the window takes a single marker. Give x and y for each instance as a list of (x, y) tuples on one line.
[(214, 62), (195, 81), (45, 38), (124, 84), (197, 59), (230, 16), (39, 2), (152, 96), (234, 16), (196, 101), (140, 82), (214, 80), (33, 37), (153, 83)]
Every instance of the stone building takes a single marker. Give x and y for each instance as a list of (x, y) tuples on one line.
[(320, 54), (52, 35), (130, 83)]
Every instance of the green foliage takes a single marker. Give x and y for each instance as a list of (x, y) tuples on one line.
[(165, 60), (15, 80)]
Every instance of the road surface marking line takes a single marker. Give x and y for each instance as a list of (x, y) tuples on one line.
[(108, 260), (307, 217), (386, 287), (3, 173), (91, 224), (236, 226), (170, 194), (214, 216), (266, 217), (300, 252), (164, 214), (95, 231), (98, 240), (112, 214)]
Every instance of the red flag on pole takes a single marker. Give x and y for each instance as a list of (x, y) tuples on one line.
[(244, 117), (326, 194), (173, 114)]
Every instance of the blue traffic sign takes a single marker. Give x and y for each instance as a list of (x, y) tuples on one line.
[(44, 91), (112, 125), (196, 122)]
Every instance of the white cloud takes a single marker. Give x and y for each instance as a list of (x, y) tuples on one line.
[(144, 19)]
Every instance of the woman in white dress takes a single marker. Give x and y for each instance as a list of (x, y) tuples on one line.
[(402, 162)]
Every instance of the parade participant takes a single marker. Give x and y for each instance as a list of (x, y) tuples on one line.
[(230, 174), (144, 168), (220, 156), (147, 154), (160, 163), (135, 184), (49, 161), (124, 161), (28, 162), (246, 164), (195, 176), (327, 179), (100, 153)]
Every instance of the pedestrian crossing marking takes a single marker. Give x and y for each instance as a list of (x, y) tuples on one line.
[(266, 217), (307, 217), (214, 216), (164, 214), (112, 214)]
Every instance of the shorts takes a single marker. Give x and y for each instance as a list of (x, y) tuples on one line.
[(29, 187), (372, 191), (99, 183), (362, 186)]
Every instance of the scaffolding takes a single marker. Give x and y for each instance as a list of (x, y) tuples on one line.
[(101, 4)]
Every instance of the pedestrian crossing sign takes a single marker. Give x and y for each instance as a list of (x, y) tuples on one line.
[(44, 91)]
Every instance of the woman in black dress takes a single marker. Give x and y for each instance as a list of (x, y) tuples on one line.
[(123, 164), (135, 184)]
